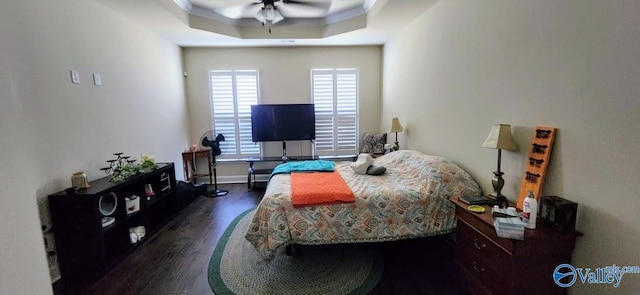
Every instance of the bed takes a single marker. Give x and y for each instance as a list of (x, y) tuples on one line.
[(410, 200)]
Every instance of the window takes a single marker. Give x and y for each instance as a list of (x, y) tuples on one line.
[(232, 94), (335, 95)]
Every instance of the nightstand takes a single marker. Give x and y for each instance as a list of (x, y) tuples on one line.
[(488, 264)]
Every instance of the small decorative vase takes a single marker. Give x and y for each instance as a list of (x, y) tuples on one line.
[(79, 180)]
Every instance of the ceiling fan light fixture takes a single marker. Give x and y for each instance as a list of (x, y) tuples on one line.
[(269, 15)]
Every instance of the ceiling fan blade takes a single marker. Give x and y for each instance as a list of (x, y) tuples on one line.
[(250, 9), (301, 12), (254, 4), (322, 5)]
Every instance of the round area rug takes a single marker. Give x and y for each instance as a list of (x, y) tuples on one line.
[(236, 268)]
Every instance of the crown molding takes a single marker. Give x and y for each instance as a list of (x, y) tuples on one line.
[(368, 4), (184, 4), (344, 15), (210, 14)]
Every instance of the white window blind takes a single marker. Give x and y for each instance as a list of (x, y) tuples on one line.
[(335, 95), (232, 94)]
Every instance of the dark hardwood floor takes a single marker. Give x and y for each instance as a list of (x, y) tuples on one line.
[(175, 260)]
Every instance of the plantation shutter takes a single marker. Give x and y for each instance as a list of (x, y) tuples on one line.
[(232, 94), (335, 95)]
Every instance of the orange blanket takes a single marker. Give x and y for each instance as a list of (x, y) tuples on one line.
[(319, 188)]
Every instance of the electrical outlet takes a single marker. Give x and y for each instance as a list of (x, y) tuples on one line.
[(75, 77), (97, 80)]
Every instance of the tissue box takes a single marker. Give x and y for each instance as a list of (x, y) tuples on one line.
[(133, 204), (508, 227)]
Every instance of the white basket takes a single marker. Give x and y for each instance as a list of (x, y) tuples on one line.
[(133, 204)]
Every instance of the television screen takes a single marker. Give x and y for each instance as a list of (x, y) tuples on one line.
[(278, 122)]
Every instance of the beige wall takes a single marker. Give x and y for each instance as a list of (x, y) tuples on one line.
[(570, 64), (51, 128), (284, 78)]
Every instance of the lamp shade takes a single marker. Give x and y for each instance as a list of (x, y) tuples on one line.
[(395, 125), (500, 138)]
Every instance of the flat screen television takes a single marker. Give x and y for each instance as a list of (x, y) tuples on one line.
[(280, 122)]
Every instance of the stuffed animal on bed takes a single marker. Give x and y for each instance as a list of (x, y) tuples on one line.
[(364, 165)]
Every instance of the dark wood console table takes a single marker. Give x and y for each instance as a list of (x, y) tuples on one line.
[(252, 171)]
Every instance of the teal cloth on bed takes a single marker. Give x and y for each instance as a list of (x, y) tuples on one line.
[(315, 165)]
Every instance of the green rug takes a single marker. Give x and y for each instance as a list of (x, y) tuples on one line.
[(236, 268)]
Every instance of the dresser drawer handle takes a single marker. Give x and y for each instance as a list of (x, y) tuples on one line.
[(475, 266), (479, 247)]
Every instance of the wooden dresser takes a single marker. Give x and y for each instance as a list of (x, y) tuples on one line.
[(488, 264)]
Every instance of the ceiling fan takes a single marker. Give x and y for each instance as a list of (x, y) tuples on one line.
[(271, 11)]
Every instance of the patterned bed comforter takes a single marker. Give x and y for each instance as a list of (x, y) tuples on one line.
[(410, 200)]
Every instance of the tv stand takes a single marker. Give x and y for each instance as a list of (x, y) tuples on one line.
[(284, 151), (252, 171)]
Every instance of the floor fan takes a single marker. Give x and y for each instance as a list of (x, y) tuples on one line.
[(214, 144)]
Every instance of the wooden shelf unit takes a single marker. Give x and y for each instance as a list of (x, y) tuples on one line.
[(86, 250)]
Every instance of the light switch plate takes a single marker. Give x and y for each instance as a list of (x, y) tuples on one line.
[(97, 80), (75, 77)]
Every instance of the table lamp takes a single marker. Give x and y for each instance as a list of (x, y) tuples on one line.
[(396, 127), (499, 138)]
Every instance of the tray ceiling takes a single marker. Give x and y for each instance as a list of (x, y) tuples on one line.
[(233, 22)]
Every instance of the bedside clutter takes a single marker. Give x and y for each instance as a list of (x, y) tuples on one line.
[(489, 264), (558, 214), (507, 223)]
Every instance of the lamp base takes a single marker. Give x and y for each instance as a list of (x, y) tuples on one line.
[(501, 201), (498, 183)]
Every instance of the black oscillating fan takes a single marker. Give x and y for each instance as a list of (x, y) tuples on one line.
[(215, 151)]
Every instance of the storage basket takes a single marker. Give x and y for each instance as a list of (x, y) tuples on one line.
[(133, 204)]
